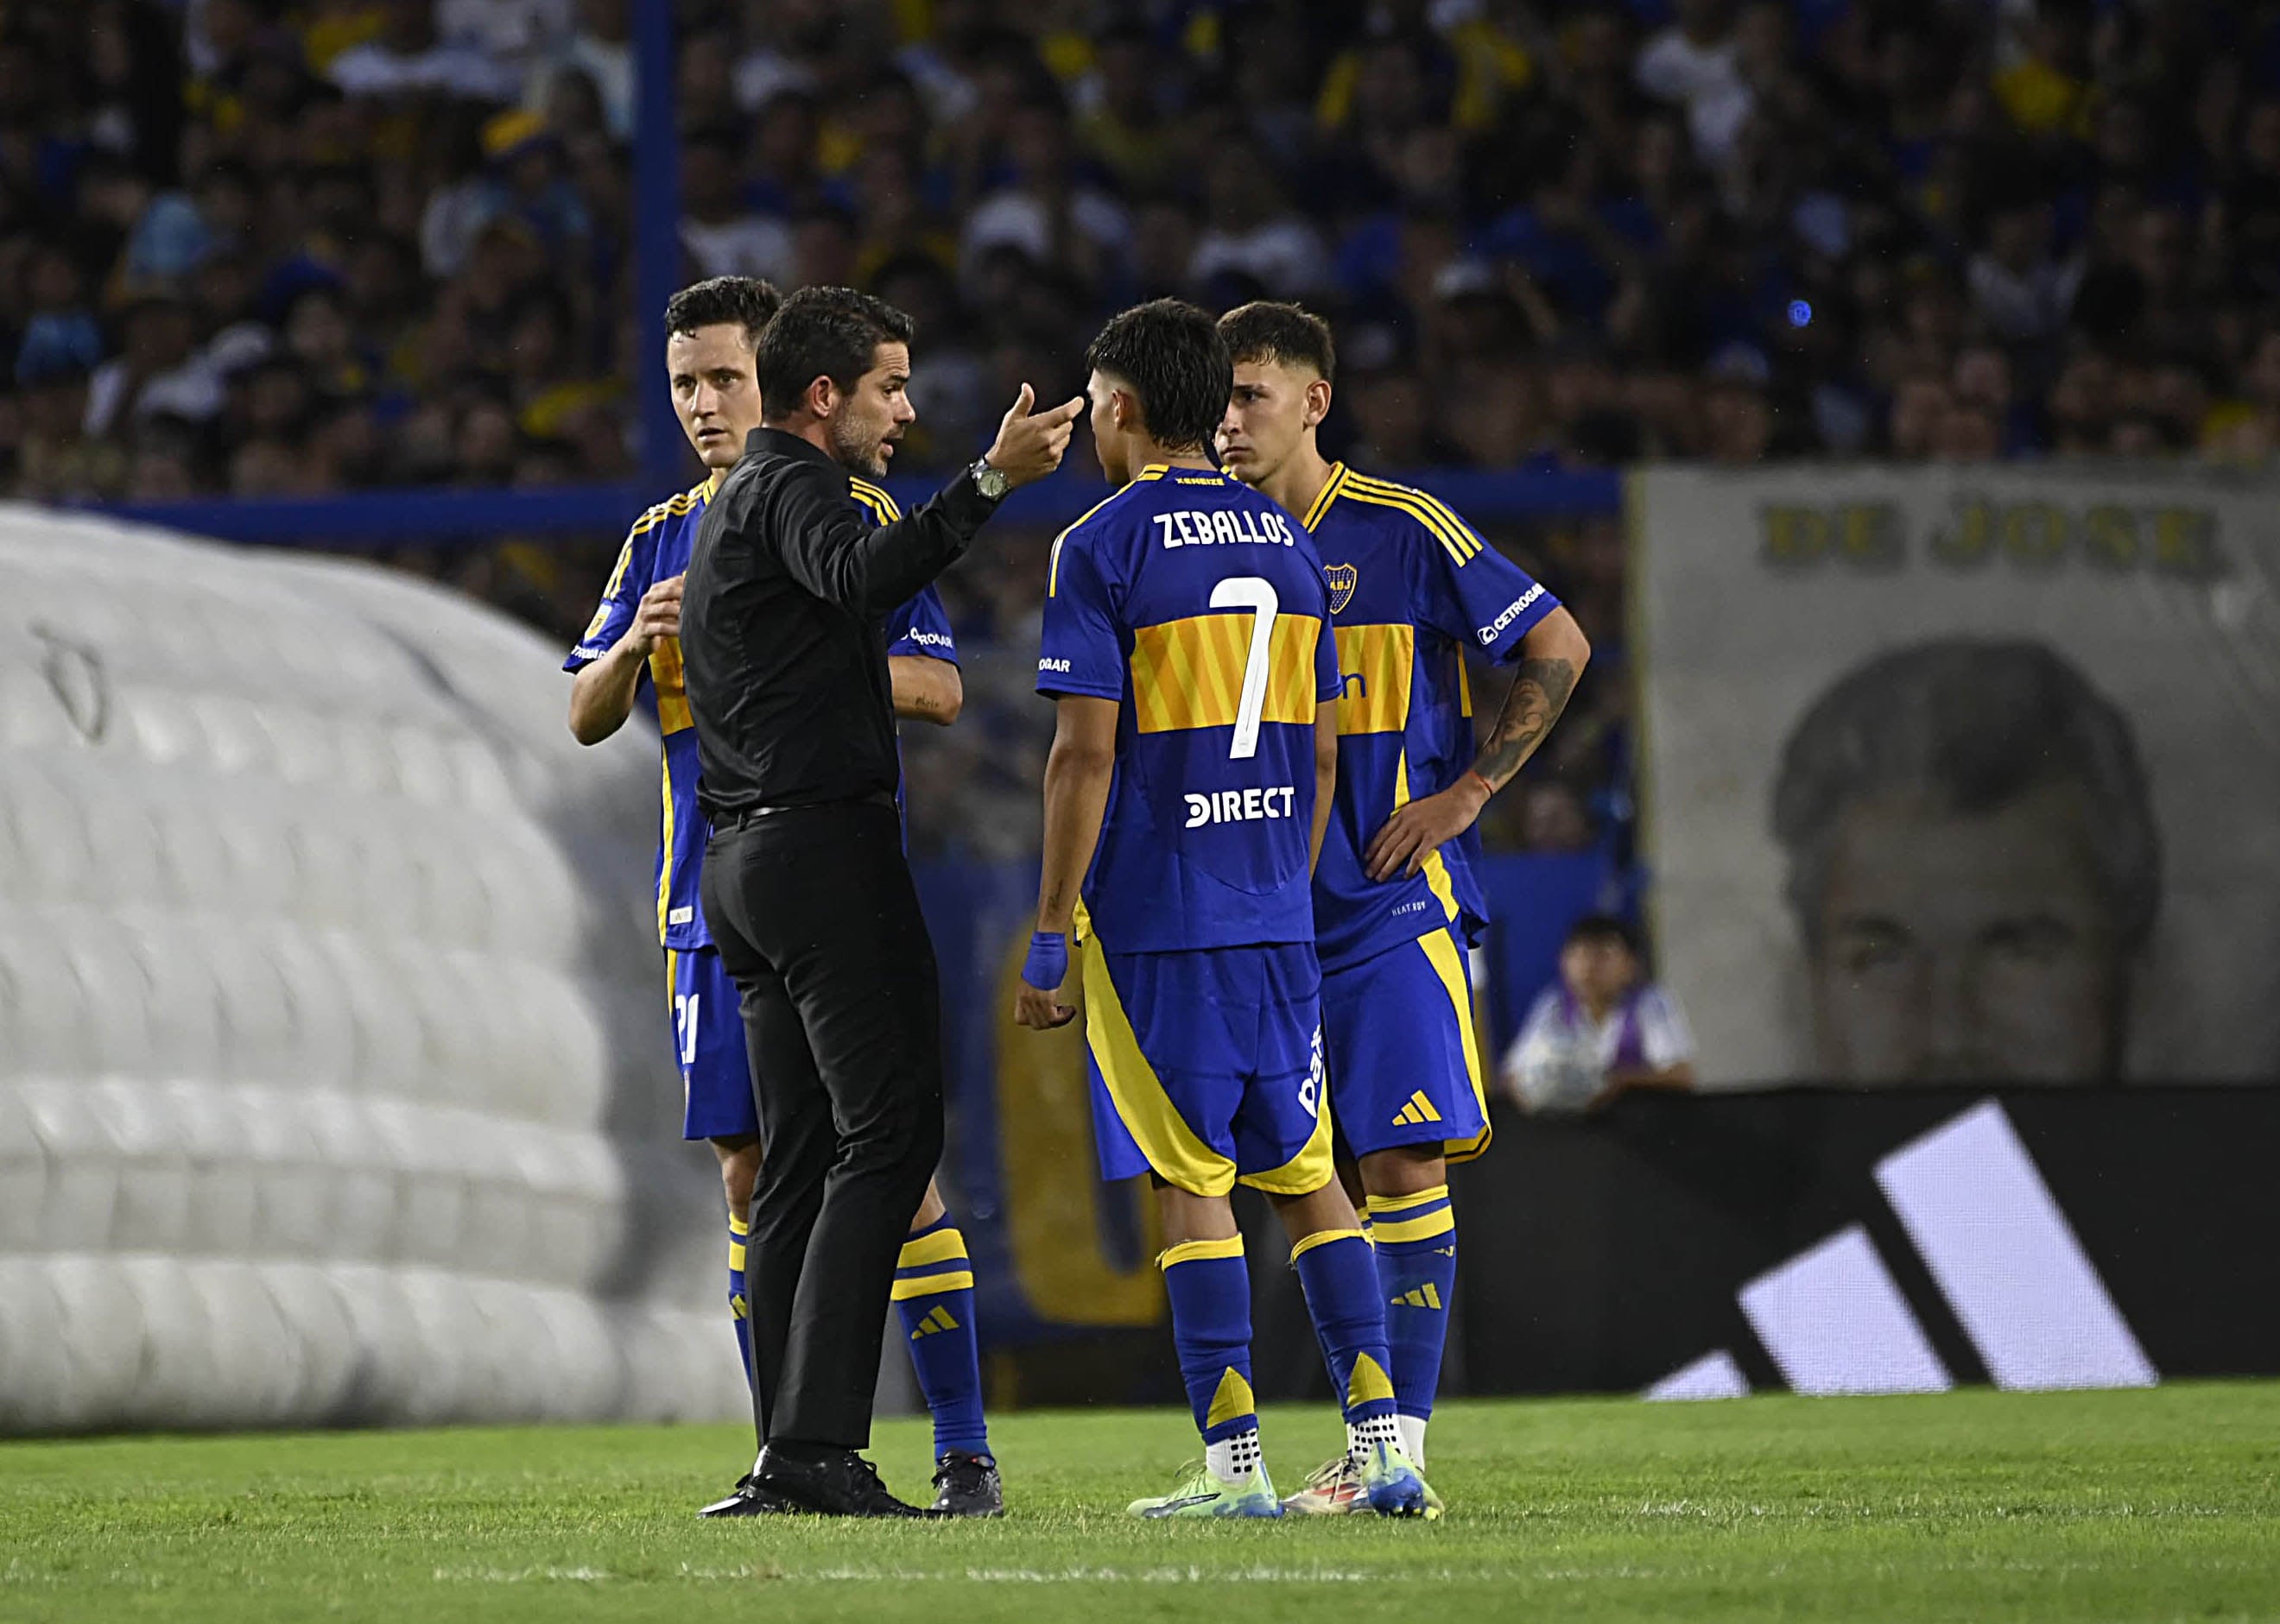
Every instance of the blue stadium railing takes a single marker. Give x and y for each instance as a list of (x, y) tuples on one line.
[(406, 518)]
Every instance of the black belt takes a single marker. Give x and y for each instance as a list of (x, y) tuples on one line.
[(751, 815)]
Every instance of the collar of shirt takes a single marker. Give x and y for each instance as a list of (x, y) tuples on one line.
[(782, 444)]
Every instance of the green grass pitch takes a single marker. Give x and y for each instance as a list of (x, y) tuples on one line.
[(2162, 1504)]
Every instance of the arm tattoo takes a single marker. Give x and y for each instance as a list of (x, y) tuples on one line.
[(1537, 696)]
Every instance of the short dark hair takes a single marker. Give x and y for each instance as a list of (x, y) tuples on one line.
[(1973, 724), (1285, 334), (1598, 930), (824, 332), (745, 300), (1171, 354)]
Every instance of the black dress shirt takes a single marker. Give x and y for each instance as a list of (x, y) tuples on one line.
[(783, 636)]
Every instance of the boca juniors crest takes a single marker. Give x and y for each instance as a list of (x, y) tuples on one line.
[(1342, 579)]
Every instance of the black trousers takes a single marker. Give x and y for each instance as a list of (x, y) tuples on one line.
[(816, 918)]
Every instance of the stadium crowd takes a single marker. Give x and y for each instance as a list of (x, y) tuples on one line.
[(264, 246)]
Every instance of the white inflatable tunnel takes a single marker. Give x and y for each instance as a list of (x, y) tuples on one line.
[(334, 1085)]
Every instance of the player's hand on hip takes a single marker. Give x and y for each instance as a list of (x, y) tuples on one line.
[(659, 616), (1030, 444), (1403, 840)]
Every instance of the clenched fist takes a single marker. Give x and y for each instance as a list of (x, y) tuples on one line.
[(1029, 446), (659, 616)]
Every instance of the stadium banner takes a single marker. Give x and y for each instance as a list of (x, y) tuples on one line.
[(1833, 1240), (1963, 773)]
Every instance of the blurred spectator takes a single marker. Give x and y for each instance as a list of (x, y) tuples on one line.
[(600, 49), (407, 54), (1600, 1029), (724, 237), (262, 247)]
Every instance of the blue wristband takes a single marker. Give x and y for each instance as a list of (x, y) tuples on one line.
[(1047, 966)]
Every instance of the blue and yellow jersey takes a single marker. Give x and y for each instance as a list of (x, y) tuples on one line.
[(1198, 605), (656, 549), (1410, 587)]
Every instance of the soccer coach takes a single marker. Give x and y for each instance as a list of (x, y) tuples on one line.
[(805, 888)]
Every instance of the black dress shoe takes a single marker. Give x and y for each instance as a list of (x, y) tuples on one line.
[(834, 1483), (967, 1485), (749, 1500)]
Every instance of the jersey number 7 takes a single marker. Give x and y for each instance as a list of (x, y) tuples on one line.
[(1256, 594)]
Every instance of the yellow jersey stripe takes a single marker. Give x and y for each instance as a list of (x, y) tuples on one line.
[(1189, 673), (665, 869), (1436, 871), (875, 498), (1433, 505), (1449, 532), (1376, 664), (1325, 496), (617, 579), (1053, 570), (664, 672), (1153, 471)]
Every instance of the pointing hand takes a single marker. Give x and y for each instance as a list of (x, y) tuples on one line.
[(1030, 444)]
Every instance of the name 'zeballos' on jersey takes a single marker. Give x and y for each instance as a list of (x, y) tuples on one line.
[(1199, 605), (1411, 586), (656, 549)]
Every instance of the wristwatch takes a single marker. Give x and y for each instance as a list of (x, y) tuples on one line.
[(989, 481)]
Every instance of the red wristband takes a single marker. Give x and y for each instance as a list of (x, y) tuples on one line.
[(1487, 787)]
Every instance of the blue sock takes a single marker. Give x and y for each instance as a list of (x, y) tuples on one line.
[(740, 1307), (1417, 1274), (1340, 1277), (1210, 1292), (934, 1294)]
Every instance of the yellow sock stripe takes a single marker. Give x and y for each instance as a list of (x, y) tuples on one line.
[(934, 1271), (1323, 1237), (927, 1285), (1232, 1400), (1380, 1205), (738, 1224), (938, 1246), (1194, 1251), (736, 1255), (1396, 1233), (1368, 1383)]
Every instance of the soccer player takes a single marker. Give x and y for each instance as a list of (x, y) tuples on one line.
[(1186, 644), (632, 651), (1396, 904)]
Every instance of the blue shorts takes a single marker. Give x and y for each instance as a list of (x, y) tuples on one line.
[(1207, 1067), (1405, 1065), (708, 1033)]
